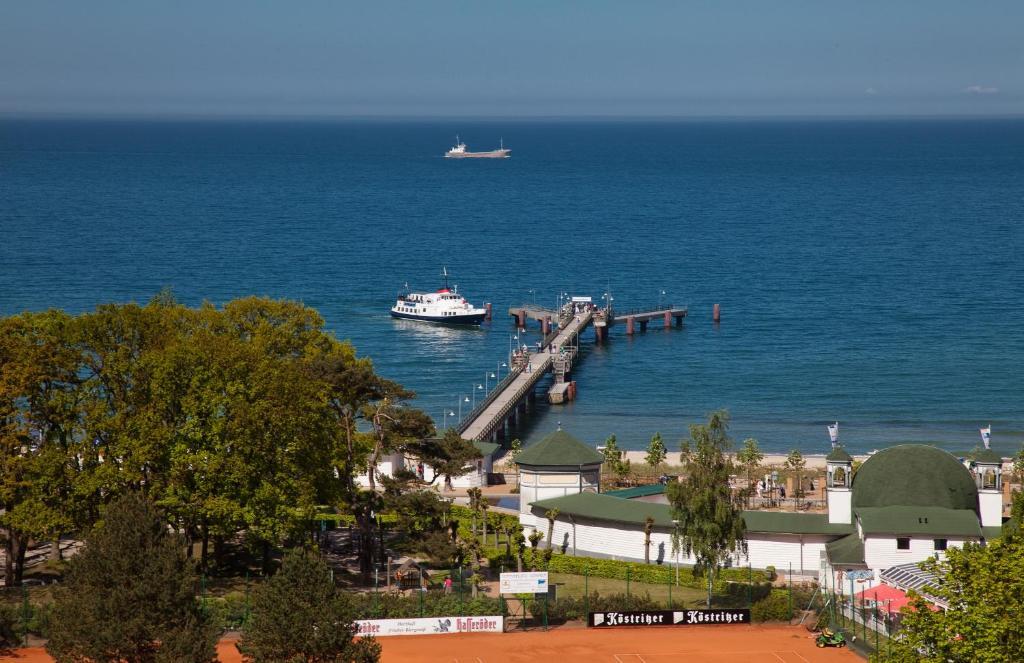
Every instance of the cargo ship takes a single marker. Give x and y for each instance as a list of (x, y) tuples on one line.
[(459, 152)]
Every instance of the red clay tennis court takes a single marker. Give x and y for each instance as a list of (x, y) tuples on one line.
[(706, 644), (703, 644)]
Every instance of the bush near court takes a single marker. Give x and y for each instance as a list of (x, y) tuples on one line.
[(382, 605)]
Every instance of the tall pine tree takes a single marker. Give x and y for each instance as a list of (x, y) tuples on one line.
[(130, 594), (299, 615)]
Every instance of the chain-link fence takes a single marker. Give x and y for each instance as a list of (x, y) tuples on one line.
[(868, 626)]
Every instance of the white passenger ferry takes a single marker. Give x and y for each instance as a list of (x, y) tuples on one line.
[(445, 306)]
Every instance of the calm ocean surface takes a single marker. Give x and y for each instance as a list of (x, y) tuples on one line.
[(869, 272)]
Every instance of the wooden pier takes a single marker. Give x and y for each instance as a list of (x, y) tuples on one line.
[(667, 315), (513, 396)]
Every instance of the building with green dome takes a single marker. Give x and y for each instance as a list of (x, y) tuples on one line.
[(903, 505)]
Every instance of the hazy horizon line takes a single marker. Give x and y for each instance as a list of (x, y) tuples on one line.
[(409, 117)]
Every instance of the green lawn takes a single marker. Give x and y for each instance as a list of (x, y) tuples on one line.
[(576, 586)]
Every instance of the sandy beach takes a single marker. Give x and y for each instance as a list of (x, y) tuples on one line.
[(815, 462)]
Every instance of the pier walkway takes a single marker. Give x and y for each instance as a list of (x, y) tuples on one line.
[(512, 395)]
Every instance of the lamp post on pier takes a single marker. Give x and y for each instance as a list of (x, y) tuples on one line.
[(463, 398), (446, 414), (487, 381), (479, 387)]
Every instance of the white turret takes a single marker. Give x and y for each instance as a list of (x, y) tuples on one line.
[(838, 482)]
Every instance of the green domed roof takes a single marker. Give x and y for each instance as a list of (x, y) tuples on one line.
[(914, 475), (559, 449)]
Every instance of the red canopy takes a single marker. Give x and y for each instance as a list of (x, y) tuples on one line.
[(890, 598), (886, 597)]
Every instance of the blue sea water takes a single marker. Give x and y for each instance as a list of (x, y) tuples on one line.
[(868, 271)]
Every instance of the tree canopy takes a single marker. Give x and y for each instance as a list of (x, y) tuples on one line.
[(299, 616), (984, 587), (130, 594), (241, 418), (656, 451), (709, 521)]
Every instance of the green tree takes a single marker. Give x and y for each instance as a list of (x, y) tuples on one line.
[(475, 497), (750, 458), (612, 453), (795, 462), (535, 538), (1018, 467), (299, 616), (982, 586), (130, 594), (515, 448), (656, 451), (40, 491), (1016, 521), (448, 456), (710, 522)]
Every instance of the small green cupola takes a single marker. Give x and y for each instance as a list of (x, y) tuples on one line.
[(988, 469), (838, 468), (557, 466)]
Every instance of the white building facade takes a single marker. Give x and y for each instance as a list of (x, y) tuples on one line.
[(904, 505)]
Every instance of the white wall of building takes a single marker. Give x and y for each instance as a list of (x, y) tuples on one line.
[(626, 541), (785, 551), (540, 485), (880, 551), (475, 475), (840, 505), (990, 504), (387, 466)]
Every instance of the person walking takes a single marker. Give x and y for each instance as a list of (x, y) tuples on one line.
[(448, 585)]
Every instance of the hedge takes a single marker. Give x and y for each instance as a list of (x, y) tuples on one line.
[(773, 608), (655, 574), (389, 606)]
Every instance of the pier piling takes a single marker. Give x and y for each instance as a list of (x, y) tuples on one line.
[(716, 314)]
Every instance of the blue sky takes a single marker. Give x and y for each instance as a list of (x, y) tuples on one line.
[(520, 58)]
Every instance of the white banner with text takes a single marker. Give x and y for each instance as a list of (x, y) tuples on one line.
[(431, 625)]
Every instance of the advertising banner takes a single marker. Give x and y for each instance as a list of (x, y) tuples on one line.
[(528, 582), (668, 618), (430, 625)]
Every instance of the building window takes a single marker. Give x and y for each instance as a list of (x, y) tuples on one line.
[(940, 544), (903, 543)]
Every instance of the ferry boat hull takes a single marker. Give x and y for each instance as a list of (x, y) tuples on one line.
[(467, 319)]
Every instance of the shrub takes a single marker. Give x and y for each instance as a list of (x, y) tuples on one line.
[(299, 615), (8, 627), (564, 609), (649, 573), (228, 612), (431, 604), (772, 608), (130, 594)]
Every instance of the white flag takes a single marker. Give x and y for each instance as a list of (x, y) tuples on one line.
[(986, 435), (833, 432)]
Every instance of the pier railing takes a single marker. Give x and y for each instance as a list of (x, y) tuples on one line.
[(513, 373)]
